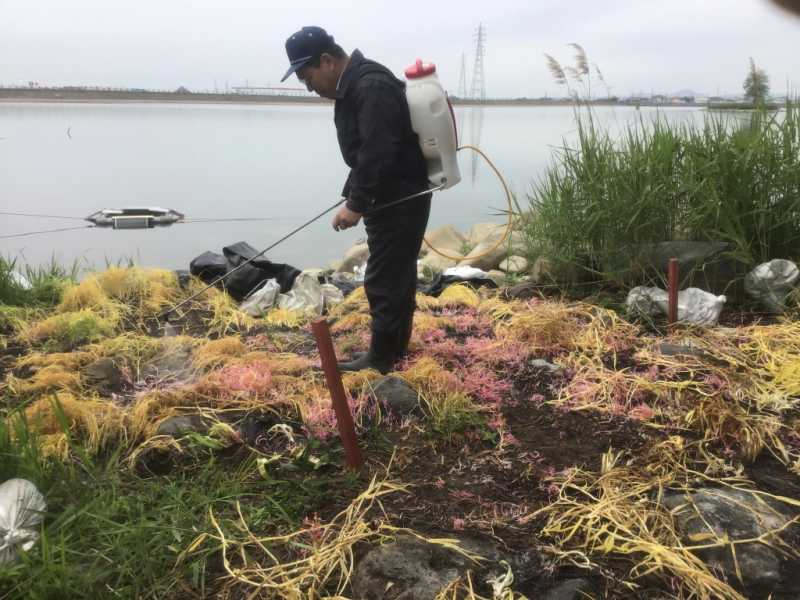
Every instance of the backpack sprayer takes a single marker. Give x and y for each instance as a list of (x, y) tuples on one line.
[(433, 120)]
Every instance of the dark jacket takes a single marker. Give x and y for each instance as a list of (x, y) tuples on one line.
[(375, 136)]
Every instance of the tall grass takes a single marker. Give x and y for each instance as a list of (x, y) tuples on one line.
[(46, 282), (731, 180)]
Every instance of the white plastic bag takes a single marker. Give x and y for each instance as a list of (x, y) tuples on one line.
[(694, 305), (305, 295), (21, 514), (20, 280), (260, 301), (466, 272), (771, 282)]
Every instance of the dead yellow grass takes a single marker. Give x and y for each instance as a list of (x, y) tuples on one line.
[(282, 317), (91, 421), (46, 379), (71, 361), (431, 378), (218, 352), (459, 295), (226, 318)]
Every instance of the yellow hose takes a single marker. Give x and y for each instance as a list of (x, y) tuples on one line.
[(510, 211)]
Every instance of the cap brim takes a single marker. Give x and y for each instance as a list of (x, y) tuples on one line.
[(298, 64)]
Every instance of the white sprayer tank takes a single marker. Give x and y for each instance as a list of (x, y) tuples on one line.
[(433, 121)]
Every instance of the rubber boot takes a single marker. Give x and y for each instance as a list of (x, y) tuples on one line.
[(404, 337), (381, 355)]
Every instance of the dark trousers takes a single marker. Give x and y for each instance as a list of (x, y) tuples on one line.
[(394, 237)]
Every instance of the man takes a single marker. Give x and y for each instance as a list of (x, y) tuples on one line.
[(377, 143)]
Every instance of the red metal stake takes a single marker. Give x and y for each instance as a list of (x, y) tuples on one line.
[(672, 302), (344, 419)]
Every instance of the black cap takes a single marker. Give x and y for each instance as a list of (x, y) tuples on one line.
[(305, 45)]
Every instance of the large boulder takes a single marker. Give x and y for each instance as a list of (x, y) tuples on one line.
[(409, 568), (447, 239), (439, 263), (412, 569), (481, 231), (106, 376), (514, 264), (571, 589), (354, 257), (179, 425), (487, 253), (709, 516), (395, 393)]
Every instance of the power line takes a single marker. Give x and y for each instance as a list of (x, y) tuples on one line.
[(16, 235), (209, 220), (16, 214)]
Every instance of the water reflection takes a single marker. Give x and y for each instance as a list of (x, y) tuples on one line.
[(473, 117)]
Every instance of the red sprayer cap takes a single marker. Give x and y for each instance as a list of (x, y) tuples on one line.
[(420, 69)]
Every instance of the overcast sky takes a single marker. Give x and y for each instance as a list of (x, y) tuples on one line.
[(640, 45)]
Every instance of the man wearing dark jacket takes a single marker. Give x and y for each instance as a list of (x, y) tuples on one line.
[(377, 143)]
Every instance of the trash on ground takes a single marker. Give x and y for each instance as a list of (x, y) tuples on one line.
[(694, 305), (770, 283), (21, 513)]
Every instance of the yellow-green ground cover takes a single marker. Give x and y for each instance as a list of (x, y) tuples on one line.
[(255, 503)]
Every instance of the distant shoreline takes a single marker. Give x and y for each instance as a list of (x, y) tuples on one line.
[(68, 95)]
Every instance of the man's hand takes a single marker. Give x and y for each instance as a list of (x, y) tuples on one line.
[(345, 219)]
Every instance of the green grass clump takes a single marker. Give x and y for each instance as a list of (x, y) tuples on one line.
[(47, 283), (110, 533), (732, 179), (66, 331)]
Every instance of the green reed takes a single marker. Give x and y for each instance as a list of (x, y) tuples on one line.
[(735, 179)]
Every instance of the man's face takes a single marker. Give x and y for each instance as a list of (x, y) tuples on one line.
[(322, 79)]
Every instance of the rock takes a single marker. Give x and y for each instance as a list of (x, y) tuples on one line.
[(447, 239), (412, 569), (522, 291), (395, 393), (481, 231), (484, 256), (486, 253), (184, 278), (180, 425), (106, 376), (497, 276), (407, 569), (540, 363), (737, 514), (354, 257), (571, 589), (542, 270), (514, 264), (668, 349), (439, 263)]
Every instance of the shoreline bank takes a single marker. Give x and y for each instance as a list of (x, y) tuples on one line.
[(34, 95)]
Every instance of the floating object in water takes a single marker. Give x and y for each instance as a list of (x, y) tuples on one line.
[(135, 218)]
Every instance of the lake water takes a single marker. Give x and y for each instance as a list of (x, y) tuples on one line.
[(279, 162)]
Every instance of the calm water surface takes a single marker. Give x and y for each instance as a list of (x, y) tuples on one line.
[(230, 161)]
